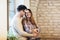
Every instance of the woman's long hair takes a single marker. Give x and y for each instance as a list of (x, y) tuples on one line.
[(31, 19)]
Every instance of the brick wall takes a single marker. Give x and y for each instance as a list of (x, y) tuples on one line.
[(33, 7), (47, 16)]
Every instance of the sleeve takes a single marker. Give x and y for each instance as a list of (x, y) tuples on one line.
[(20, 30)]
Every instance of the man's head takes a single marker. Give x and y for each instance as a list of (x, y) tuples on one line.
[(21, 9)]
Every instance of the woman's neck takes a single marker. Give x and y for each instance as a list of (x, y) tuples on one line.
[(28, 19)]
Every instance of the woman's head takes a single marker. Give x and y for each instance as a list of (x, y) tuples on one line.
[(28, 13), (29, 17)]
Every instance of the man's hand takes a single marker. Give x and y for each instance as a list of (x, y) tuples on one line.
[(35, 34)]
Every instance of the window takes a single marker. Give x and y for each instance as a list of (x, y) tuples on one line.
[(12, 7), (11, 10)]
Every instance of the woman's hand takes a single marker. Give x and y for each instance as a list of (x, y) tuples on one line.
[(35, 31)]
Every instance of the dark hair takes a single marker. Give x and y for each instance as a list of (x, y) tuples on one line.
[(21, 7)]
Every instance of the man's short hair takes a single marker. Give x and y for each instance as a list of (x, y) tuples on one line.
[(21, 7)]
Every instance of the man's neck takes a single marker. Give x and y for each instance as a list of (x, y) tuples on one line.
[(18, 15)]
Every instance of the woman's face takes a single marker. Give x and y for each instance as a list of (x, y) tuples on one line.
[(28, 14)]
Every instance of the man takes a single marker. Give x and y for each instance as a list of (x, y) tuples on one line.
[(16, 28)]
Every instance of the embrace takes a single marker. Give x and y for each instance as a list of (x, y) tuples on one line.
[(23, 25)]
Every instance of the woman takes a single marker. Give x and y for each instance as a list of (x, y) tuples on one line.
[(30, 25)]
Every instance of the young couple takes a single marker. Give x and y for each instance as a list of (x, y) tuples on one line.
[(23, 25)]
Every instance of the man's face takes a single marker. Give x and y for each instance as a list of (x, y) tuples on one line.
[(22, 13)]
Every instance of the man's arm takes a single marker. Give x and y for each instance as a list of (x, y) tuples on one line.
[(20, 30)]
